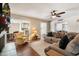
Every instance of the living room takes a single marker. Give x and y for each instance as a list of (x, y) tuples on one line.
[(37, 29)]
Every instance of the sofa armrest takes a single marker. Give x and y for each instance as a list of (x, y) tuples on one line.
[(57, 50)]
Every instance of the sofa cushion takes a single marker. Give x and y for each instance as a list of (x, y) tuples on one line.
[(71, 35), (59, 34), (48, 39), (73, 46), (51, 39), (63, 42)]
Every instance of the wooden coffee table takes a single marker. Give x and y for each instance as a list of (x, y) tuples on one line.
[(39, 46)]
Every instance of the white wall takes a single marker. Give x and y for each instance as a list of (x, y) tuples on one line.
[(52, 25), (43, 29), (34, 22), (73, 24)]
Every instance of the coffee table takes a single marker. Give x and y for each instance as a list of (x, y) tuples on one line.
[(39, 46)]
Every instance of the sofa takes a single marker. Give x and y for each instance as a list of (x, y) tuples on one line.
[(53, 37), (56, 36), (72, 48)]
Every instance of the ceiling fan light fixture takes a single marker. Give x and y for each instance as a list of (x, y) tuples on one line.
[(53, 16)]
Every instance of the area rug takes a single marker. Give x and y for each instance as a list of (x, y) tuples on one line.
[(9, 50)]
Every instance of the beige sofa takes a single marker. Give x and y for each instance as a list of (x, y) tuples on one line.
[(71, 49), (55, 38), (58, 35)]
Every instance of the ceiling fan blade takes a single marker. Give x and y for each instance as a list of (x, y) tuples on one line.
[(58, 16), (60, 13)]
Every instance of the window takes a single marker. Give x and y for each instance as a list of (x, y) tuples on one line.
[(61, 26), (19, 25)]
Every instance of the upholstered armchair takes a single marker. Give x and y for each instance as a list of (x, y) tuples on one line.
[(72, 48), (20, 38)]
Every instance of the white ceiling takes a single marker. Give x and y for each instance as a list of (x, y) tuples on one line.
[(42, 10)]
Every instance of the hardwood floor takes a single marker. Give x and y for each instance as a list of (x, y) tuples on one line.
[(12, 49), (25, 50)]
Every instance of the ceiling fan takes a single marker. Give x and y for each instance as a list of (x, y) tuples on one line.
[(55, 14)]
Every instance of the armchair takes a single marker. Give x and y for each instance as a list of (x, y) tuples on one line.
[(20, 38)]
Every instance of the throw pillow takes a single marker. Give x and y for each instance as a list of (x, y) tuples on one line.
[(49, 34), (63, 42)]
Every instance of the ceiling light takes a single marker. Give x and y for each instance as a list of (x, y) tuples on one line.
[(53, 16)]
